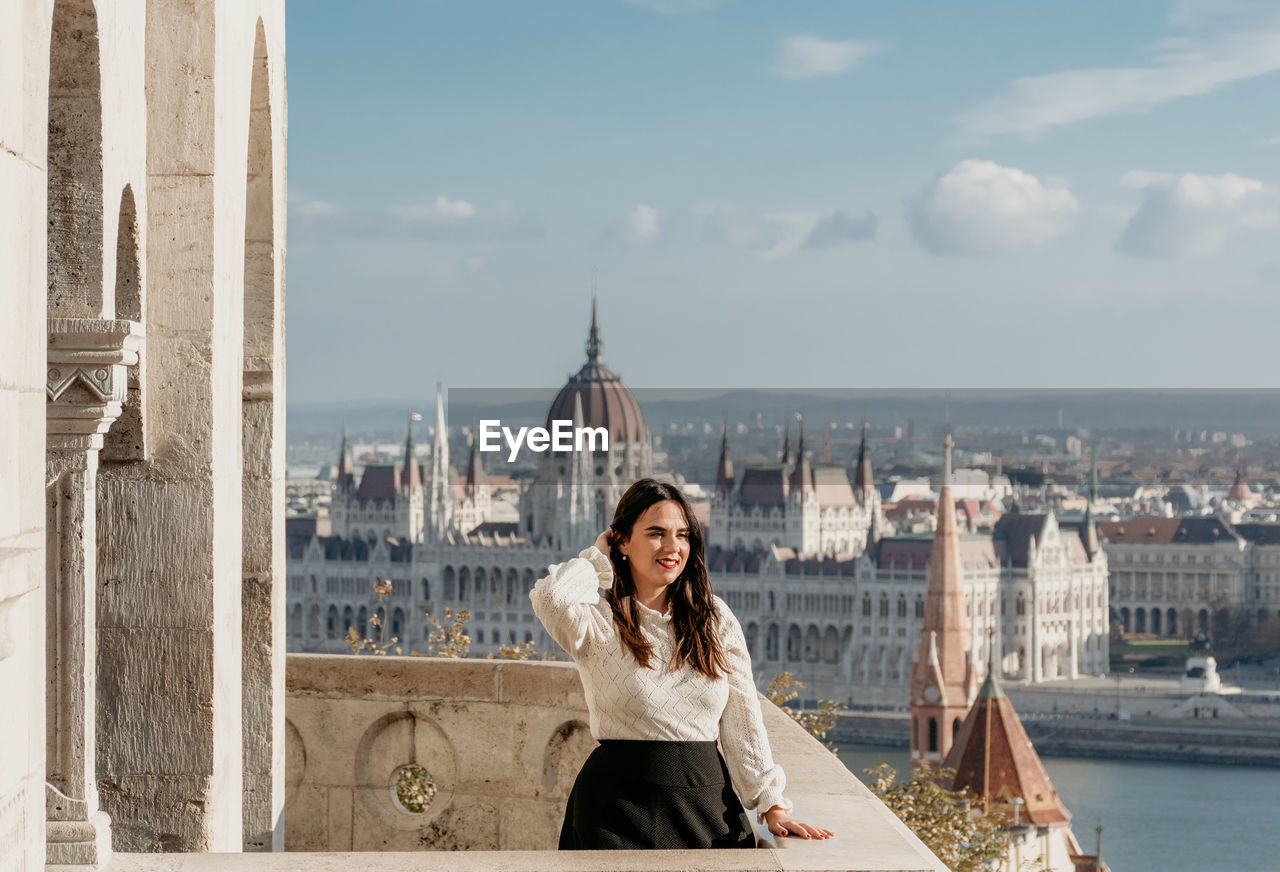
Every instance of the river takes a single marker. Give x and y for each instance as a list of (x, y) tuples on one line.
[(1157, 817)]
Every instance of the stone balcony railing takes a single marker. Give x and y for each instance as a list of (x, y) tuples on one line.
[(502, 742)]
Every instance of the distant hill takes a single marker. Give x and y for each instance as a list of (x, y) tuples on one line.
[(1254, 412)]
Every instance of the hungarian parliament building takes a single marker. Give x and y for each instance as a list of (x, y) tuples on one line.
[(797, 549)]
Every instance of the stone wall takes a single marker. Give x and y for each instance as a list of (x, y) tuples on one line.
[(24, 88), (503, 742)]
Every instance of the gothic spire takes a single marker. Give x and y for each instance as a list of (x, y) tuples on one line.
[(1089, 532), (410, 475), (346, 469), (475, 472), (801, 473), (863, 482), (786, 441), (941, 694), (594, 343), (724, 472)]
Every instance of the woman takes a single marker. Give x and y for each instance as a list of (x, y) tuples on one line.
[(666, 672)]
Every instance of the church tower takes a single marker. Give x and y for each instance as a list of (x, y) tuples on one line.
[(943, 680)]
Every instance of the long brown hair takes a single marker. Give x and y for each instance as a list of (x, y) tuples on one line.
[(693, 613)]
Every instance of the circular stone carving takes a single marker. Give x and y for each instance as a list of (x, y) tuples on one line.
[(412, 789), (55, 374), (931, 694), (100, 374)]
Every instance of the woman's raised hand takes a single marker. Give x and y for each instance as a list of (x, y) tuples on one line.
[(782, 825), (602, 542)]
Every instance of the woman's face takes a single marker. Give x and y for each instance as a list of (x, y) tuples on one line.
[(658, 547)]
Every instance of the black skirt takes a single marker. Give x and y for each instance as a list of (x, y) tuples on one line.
[(635, 794)]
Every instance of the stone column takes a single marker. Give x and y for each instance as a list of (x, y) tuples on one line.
[(86, 383)]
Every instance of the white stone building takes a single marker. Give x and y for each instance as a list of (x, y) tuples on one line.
[(1186, 576), (434, 539), (848, 625)]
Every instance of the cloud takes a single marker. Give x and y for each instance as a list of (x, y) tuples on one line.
[(1191, 215), (980, 207), (640, 225), (439, 220), (1219, 43), (442, 209), (312, 209), (802, 57), (676, 7), (840, 227), (776, 235)]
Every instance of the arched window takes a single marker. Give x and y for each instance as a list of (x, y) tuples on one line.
[(866, 605), (426, 590), (397, 623), (933, 735), (362, 623), (902, 605), (771, 642), (331, 620), (919, 607), (450, 585), (884, 605), (795, 641), (831, 645), (955, 728), (812, 644), (1022, 605), (464, 581)]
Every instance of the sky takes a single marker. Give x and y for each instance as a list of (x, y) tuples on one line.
[(773, 195)]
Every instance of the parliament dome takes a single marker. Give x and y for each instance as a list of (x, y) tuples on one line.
[(606, 401)]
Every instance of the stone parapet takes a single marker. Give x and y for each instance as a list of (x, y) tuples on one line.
[(503, 742)]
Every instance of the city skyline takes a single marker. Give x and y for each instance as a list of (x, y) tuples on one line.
[(858, 196)]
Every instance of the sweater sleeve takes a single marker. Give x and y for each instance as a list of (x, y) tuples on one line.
[(565, 599), (743, 740)]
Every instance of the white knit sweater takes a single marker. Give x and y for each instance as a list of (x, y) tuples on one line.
[(629, 702)]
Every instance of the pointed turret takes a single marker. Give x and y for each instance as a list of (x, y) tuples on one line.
[(1089, 531), (410, 473), (940, 696), (994, 760), (595, 345), (440, 500), (863, 482), (786, 442), (346, 475), (475, 472), (1239, 492), (724, 471), (802, 472)]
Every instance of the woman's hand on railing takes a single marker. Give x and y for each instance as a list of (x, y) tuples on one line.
[(781, 825)]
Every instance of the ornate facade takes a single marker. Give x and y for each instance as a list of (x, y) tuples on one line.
[(435, 541), (810, 508)]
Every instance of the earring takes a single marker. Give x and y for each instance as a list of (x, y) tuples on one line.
[(624, 557)]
